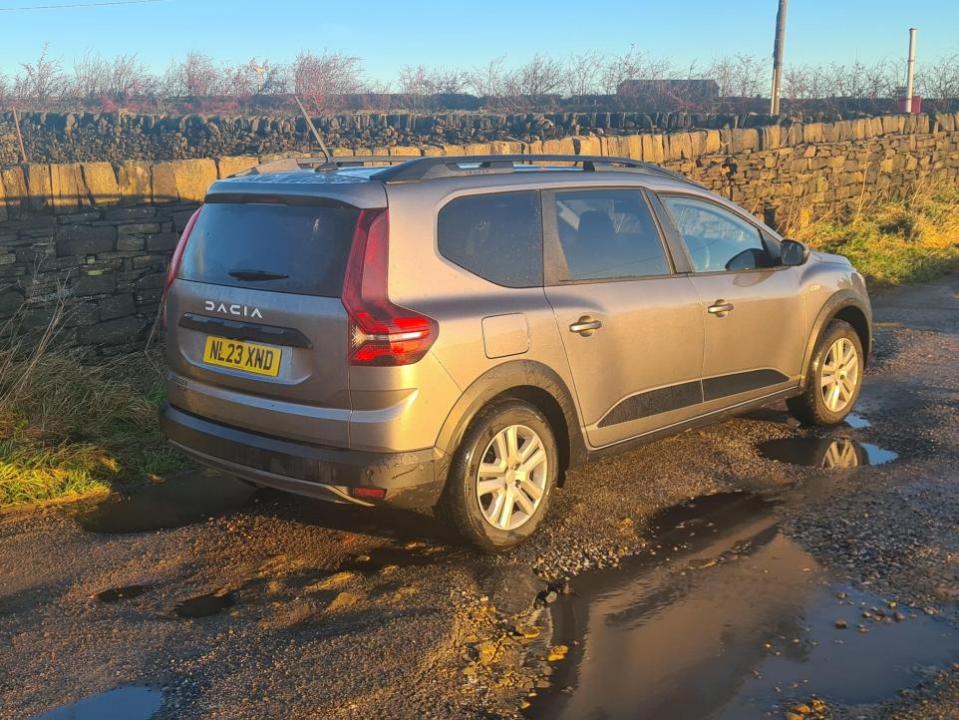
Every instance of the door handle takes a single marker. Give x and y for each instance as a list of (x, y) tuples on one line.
[(585, 326), (720, 308)]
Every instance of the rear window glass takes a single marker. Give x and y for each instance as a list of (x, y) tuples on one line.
[(281, 248), (497, 236)]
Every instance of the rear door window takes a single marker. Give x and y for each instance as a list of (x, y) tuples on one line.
[(607, 234), (497, 236), (298, 249)]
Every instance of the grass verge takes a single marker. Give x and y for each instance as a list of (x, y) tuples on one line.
[(899, 242), (70, 429)]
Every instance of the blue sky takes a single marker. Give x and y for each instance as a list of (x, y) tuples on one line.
[(448, 33)]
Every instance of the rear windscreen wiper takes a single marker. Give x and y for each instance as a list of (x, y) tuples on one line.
[(254, 275)]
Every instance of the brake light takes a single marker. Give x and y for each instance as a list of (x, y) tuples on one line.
[(176, 259), (381, 332)]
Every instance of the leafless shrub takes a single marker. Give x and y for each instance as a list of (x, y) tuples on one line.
[(41, 80), (581, 74), (540, 76), (196, 75), (633, 65), (118, 78), (491, 80), (420, 80), (940, 78), (320, 78)]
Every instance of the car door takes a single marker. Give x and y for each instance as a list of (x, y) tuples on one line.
[(751, 304), (631, 326)]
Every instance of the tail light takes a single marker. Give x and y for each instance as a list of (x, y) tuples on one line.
[(381, 332), (177, 258)]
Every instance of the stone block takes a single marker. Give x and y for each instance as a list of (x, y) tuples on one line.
[(101, 183), (743, 140), (231, 165), (405, 151), (117, 306), (134, 180), (38, 186), (587, 145), (85, 239), (67, 189), (161, 242), (15, 190), (95, 282), (653, 149), (113, 332)]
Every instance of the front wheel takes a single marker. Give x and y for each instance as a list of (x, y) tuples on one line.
[(502, 477), (834, 378)]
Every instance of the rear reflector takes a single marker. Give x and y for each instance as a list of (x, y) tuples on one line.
[(381, 332), (368, 493)]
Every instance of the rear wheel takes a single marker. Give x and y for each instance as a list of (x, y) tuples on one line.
[(501, 480), (834, 377)]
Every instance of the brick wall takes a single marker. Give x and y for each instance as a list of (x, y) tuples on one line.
[(98, 237)]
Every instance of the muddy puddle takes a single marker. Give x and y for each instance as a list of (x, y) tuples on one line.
[(729, 619), (133, 702), (177, 501), (839, 453), (127, 592), (205, 605)]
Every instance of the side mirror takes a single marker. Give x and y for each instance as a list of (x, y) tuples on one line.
[(793, 253)]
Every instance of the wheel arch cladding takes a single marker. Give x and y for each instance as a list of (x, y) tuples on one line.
[(857, 318), (846, 306), (526, 380)]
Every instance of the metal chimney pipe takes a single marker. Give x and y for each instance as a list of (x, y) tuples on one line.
[(910, 69)]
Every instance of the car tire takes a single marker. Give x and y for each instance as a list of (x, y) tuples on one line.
[(512, 429), (817, 405)]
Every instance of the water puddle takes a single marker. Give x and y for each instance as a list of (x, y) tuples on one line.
[(857, 421), (729, 620), (829, 453), (178, 501), (133, 702), (204, 605), (121, 593)]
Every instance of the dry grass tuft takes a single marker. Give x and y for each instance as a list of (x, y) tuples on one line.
[(69, 429), (897, 242)]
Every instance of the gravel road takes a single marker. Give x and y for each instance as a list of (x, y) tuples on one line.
[(198, 598)]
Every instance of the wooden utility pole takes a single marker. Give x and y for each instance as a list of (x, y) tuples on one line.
[(778, 58)]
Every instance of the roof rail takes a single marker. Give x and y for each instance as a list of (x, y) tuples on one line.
[(415, 169), (322, 164), (434, 167)]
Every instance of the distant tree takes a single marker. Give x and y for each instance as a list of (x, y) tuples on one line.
[(196, 76), (540, 76), (581, 73), (40, 81), (320, 79), (940, 78), (633, 64)]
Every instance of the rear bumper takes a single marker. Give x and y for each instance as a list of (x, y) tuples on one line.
[(410, 479)]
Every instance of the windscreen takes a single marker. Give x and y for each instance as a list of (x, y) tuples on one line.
[(298, 249)]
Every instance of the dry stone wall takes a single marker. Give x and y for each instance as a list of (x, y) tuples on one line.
[(96, 239)]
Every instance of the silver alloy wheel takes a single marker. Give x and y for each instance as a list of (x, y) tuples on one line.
[(512, 476), (840, 375), (841, 454)]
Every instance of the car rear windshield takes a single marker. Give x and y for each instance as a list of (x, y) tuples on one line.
[(271, 246)]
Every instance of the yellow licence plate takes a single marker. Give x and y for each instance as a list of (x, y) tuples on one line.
[(246, 356)]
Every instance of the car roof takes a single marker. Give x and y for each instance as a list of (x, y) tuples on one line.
[(361, 183)]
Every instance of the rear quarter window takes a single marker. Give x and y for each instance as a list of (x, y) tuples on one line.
[(497, 236), (298, 249)]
